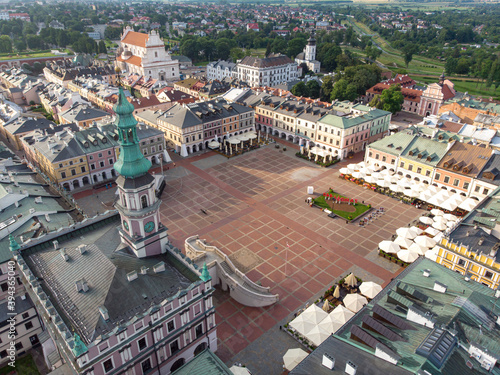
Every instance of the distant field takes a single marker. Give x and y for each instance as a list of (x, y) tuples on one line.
[(30, 55), (470, 86)]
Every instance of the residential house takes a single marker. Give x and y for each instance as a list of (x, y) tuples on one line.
[(385, 152), (83, 115)]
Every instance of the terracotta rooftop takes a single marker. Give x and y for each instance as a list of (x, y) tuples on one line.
[(136, 39), (134, 60), (465, 159), (409, 94)]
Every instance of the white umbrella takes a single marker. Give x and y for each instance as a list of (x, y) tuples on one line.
[(432, 231), (213, 145), (432, 253), (445, 193), (234, 140), (438, 236), (355, 302), (397, 188), (314, 314), (391, 179), (317, 335), (426, 220), (383, 183), (451, 224), (408, 256), (468, 205), (417, 230), (403, 242), (251, 135), (389, 247), (371, 180), (345, 170), (437, 212), (341, 314), (411, 193), (439, 225), (386, 172), (237, 370), (406, 233), (330, 324), (436, 200), (425, 195), (370, 289), (377, 175), (404, 183), (419, 249), (450, 217), (425, 241), (358, 175), (449, 205), (293, 357), (419, 187), (433, 189), (302, 324), (361, 164), (353, 167)]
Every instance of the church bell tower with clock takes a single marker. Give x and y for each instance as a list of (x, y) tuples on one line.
[(137, 203)]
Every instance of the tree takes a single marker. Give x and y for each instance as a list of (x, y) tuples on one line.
[(295, 46), (189, 48), (339, 90), (326, 88), (451, 65), (299, 89), (102, 47), (268, 49), (305, 68), (237, 54), (313, 89), (390, 100), (223, 48), (5, 44), (408, 50)]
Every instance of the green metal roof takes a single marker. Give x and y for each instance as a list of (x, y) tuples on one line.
[(426, 148), (131, 163), (345, 122), (394, 144), (203, 364)]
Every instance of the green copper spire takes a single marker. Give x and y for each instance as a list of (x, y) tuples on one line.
[(13, 245), (79, 347), (131, 162), (205, 275)]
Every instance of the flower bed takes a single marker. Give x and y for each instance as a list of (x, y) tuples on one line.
[(305, 157), (356, 209), (392, 258)]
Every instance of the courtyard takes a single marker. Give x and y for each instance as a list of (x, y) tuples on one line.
[(254, 208)]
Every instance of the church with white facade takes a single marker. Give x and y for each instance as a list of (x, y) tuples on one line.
[(145, 55), (309, 56)]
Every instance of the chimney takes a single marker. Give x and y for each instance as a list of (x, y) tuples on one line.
[(82, 249), (350, 368), (144, 270), (131, 276), (328, 361), (480, 242), (104, 312), (468, 233), (159, 267), (82, 286), (439, 287), (427, 273)]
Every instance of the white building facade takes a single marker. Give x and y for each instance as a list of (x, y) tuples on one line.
[(220, 70), (308, 57), (145, 54), (269, 71)]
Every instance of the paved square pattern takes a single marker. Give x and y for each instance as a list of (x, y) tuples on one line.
[(256, 213)]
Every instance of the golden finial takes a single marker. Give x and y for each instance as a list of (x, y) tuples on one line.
[(118, 80)]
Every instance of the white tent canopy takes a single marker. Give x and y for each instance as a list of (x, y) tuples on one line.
[(403, 242), (432, 253), (330, 324), (370, 289), (419, 249), (408, 256), (389, 247), (440, 225), (468, 205), (317, 335), (406, 233), (345, 170), (417, 230), (314, 314), (425, 241), (426, 220), (293, 357), (341, 314), (432, 231), (354, 302), (301, 324)]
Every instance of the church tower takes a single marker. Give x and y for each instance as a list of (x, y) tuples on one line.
[(137, 203), (310, 54)]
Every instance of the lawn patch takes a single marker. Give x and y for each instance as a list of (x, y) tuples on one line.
[(347, 211), (24, 365)]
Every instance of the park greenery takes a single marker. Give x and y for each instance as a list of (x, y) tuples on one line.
[(390, 100), (352, 211)]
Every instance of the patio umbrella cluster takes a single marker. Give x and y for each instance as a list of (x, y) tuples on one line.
[(431, 194)]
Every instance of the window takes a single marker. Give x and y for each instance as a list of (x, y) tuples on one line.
[(419, 170), (488, 274), (71, 162), (73, 172), (26, 315), (92, 166), (456, 182), (384, 158), (103, 347), (60, 165), (19, 345), (466, 185), (446, 179), (108, 365), (109, 152), (83, 169), (28, 325), (101, 164), (485, 191), (146, 366), (3, 354), (402, 164), (199, 330), (142, 344), (174, 347), (377, 156), (144, 201), (170, 325), (63, 174), (370, 154), (477, 189), (438, 176), (4, 287), (461, 262), (99, 155), (427, 173), (91, 157), (410, 167), (110, 161)]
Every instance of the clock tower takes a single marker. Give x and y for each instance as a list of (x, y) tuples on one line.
[(137, 203)]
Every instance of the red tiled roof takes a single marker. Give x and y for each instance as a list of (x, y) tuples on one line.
[(136, 39), (451, 126), (447, 92), (144, 102), (134, 60), (409, 94)]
